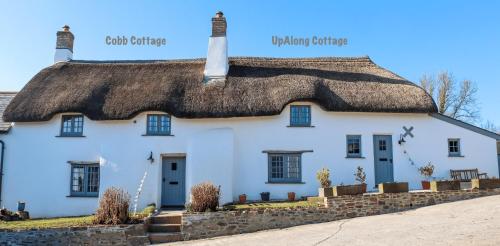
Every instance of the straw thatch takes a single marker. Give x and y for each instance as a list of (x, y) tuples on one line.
[(105, 90)]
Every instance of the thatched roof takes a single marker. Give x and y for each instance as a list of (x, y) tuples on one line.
[(5, 98), (108, 90)]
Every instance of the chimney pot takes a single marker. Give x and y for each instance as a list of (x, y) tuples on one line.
[(66, 28)]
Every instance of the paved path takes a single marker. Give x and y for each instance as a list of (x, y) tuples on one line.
[(470, 222)]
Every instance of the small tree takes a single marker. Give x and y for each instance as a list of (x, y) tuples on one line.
[(113, 207), (427, 170), (323, 177), (360, 175)]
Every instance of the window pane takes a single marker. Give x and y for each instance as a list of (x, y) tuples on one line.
[(77, 179), (353, 145), (300, 115), (277, 167), (293, 167), (72, 125)]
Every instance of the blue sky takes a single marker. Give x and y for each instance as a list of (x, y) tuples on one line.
[(410, 38)]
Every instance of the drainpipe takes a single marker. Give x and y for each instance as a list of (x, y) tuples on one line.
[(1, 170)]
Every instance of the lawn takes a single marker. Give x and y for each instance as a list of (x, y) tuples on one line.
[(261, 205), (47, 223)]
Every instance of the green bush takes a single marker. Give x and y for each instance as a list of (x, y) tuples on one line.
[(323, 177)]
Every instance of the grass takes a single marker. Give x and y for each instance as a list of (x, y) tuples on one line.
[(62, 222), (272, 204), (47, 223)]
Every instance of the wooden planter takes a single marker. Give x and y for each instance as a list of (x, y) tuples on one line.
[(395, 187), (341, 190), (325, 192), (484, 184), (445, 185)]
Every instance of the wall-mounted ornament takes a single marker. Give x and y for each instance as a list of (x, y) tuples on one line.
[(408, 131)]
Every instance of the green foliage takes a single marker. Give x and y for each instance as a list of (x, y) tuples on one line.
[(360, 175)]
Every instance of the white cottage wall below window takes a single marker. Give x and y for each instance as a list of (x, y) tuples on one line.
[(228, 152)]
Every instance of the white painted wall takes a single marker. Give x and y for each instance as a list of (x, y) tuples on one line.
[(63, 55), (226, 151), (217, 64)]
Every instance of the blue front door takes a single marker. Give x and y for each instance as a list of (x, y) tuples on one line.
[(382, 153), (173, 182)]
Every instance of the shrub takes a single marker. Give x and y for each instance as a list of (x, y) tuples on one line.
[(323, 177), (360, 175), (113, 207), (426, 170), (204, 197)]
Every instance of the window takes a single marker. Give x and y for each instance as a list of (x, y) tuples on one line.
[(382, 145), (353, 145), (72, 125), (158, 124), (454, 147), (284, 168), (300, 115), (85, 179)]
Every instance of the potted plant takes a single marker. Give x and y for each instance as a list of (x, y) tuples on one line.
[(291, 196), (323, 177), (393, 187), (242, 198), (361, 178), (264, 196), (427, 172)]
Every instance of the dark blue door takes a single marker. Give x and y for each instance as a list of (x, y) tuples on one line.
[(173, 182), (382, 152)]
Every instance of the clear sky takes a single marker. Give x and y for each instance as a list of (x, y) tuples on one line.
[(410, 38)]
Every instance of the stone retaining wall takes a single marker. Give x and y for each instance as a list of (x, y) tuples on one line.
[(205, 225), (92, 235)]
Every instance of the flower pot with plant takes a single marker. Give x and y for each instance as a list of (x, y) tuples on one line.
[(427, 172), (291, 196), (356, 189), (361, 177), (265, 196), (323, 177), (242, 198)]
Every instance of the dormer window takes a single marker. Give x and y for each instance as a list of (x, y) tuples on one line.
[(72, 126), (300, 115), (158, 124)]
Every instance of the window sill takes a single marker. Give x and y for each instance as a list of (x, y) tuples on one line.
[(299, 126), (83, 196), (355, 157), (70, 136), (285, 182), (459, 156), (157, 135)]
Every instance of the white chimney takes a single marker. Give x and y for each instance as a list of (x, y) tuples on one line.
[(64, 45), (217, 66)]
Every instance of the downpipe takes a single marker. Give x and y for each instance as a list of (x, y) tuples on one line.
[(1, 170)]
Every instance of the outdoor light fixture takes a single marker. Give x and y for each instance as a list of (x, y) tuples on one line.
[(150, 158), (401, 139)]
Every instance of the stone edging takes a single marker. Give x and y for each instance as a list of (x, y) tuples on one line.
[(213, 224), (86, 235)]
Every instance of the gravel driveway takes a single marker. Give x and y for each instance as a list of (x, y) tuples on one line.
[(470, 222)]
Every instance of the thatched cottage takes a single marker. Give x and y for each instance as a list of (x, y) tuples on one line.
[(247, 124)]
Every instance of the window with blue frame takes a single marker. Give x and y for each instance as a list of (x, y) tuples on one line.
[(354, 146), (284, 168), (158, 124), (85, 180), (300, 115), (72, 125)]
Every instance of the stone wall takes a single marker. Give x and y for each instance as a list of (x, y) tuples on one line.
[(205, 225), (92, 235)]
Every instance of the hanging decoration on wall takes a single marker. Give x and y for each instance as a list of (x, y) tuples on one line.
[(407, 133)]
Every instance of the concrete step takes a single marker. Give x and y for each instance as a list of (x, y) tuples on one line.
[(167, 219), (164, 228), (164, 237)]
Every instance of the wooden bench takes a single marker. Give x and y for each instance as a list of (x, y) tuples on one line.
[(465, 175)]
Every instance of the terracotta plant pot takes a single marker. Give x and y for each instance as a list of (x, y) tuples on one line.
[(426, 185), (242, 198), (291, 196)]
